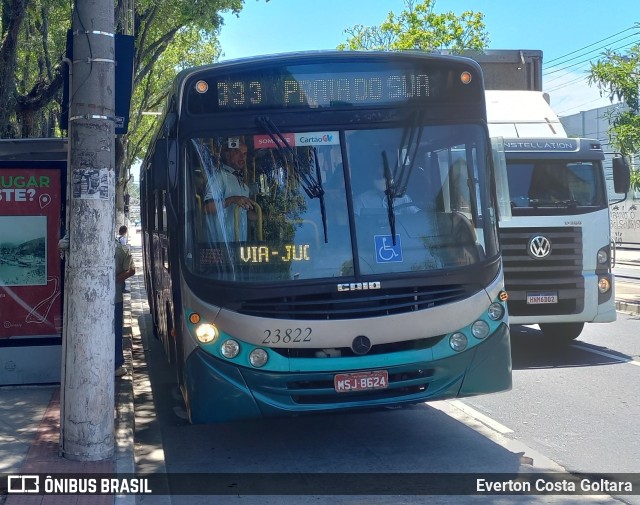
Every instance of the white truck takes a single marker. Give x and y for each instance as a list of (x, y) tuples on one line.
[(557, 245)]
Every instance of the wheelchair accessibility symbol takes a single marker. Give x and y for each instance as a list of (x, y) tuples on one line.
[(386, 252)]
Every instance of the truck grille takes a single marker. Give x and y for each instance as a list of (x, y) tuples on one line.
[(560, 272)]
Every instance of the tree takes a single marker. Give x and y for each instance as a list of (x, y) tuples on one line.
[(419, 27), (170, 35), (617, 75), (32, 41)]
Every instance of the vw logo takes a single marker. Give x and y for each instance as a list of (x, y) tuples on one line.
[(361, 345), (539, 247)]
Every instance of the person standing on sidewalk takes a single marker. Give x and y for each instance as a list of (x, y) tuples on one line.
[(122, 235), (125, 268)]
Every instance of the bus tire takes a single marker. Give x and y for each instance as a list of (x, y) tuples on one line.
[(561, 332)]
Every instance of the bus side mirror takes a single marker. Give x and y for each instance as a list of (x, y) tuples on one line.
[(172, 163), (159, 165), (164, 165), (621, 175)]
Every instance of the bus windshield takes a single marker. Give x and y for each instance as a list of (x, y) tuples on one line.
[(555, 185), (284, 206)]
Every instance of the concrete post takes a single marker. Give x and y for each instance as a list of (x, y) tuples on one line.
[(87, 402)]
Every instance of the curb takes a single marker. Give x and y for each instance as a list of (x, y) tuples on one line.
[(125, 425), (628, 307)]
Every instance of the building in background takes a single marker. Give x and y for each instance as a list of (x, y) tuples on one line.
[(625, 216)]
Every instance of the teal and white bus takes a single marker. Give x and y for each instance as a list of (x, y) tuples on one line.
[(351, 258)]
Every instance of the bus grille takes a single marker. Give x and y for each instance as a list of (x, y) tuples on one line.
[(406, 383), (560, 272), (357, 304)]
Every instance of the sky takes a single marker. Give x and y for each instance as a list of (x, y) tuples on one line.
[(570, 34)]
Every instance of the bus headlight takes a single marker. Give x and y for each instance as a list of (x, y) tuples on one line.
[(603, 257), (206, 333), (603, 284), (230, 348), (458, 341), (495, 311), (480, 329), (258, 358)]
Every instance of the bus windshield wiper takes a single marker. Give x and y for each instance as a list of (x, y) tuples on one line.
[(411, 136), (323, 210), (390, 192), (312, 187)]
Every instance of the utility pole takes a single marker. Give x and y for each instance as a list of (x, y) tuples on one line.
[(87, 391)]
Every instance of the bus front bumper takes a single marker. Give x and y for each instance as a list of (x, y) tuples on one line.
[(218, 391)]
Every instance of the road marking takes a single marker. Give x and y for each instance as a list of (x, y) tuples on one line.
[(478, 416), (608, 355)]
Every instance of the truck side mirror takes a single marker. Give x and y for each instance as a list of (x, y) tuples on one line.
[(621, 175)]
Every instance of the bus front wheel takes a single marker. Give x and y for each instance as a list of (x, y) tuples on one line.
[(561, 332)]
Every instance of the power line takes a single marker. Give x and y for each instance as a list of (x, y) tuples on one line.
[(593, 50), (592, 44), (591, 57), (573, 72)]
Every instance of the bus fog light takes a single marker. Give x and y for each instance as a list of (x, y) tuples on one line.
[(603, 257), (206, 333), (458, 341), (480, 329), (230, 348), (258, 357), (495, 311), (603, 284)]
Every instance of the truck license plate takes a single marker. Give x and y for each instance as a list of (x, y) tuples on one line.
[(361, 381), (539, 298)]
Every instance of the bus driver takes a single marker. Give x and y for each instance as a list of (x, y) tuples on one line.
[(226, 190)]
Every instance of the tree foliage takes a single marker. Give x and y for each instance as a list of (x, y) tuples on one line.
[(617, 75), (32, 41), (170, 35), (419, 27)]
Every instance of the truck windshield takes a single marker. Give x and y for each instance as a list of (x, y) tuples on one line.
[(248, 217), (555, 184)]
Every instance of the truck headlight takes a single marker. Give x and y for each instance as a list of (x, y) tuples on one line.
[(603, 285), (603, 256)]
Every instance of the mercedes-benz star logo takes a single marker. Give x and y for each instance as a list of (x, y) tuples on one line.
[(539, 247), (361, 345)]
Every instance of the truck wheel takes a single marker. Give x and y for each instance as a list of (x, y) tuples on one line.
[(559, 332)]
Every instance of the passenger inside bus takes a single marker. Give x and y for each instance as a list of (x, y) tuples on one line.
[(226, 189)]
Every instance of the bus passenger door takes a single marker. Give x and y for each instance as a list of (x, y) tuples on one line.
[(163, 316)]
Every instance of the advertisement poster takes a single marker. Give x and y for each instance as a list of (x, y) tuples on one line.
[(30, 267)]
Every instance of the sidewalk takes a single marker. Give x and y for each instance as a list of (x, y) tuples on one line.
[(30, 423), (30, 415)]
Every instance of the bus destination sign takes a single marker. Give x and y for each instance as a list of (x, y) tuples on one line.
[(334, 86)]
